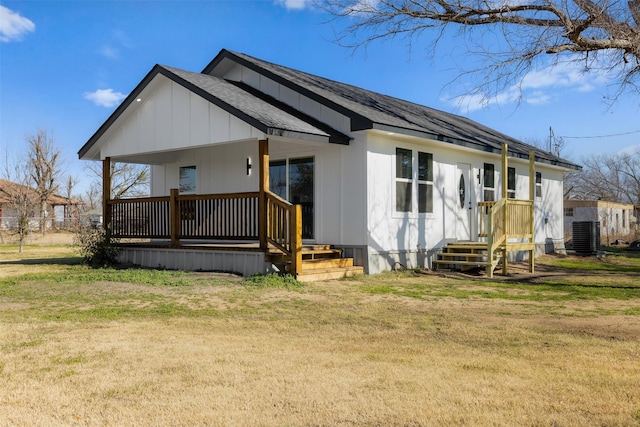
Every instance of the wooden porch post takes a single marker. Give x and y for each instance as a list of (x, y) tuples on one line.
[(263, 154), (295, 231), (505, 193), (532, 198), (174, 217), (106, 192)]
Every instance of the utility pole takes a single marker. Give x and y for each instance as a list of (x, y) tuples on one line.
[(550, 139)]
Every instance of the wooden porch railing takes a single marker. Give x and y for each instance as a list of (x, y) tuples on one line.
[(504, 220), (232, 216), (516, 220), (284, 228)]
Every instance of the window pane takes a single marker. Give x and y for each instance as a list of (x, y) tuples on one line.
[(425, 166), (301, 191), (488, 175), (278, 178), (425, 198), (187, 179), (489, 195), (511, 183), (403, 196), (403, 163), (538, 178)]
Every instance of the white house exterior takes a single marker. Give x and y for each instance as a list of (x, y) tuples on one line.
[(378, 177)]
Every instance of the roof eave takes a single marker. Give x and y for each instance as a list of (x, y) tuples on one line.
[(472, 145), (119, 111)]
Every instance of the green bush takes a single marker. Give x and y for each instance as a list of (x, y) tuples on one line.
[(97, 247)]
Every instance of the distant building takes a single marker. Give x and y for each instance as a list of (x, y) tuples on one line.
[(68, 217), (618, 221)]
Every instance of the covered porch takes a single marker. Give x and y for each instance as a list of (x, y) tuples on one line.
[(244, 232)]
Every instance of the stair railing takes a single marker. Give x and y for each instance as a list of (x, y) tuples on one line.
[(284, 228)]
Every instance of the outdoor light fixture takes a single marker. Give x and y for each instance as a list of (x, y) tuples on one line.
[(248, 166), (138, 99)]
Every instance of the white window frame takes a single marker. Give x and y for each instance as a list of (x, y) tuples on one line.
[(511, 192), (415, 182), (485, 188), (538, 185)]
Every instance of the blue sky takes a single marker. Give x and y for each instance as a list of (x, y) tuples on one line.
[(65, 65)]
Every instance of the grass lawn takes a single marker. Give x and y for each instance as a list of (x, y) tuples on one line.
[(81, 346)]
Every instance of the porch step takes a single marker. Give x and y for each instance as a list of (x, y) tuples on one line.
[(465, 254), (315, 275), (322, 263), (319, 262)]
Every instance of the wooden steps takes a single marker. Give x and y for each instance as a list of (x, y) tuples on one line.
[(319, 262), (466, 255)]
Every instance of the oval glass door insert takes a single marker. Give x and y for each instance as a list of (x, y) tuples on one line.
[(462, 191)]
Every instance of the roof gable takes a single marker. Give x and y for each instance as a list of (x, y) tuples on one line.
[(258, 111)]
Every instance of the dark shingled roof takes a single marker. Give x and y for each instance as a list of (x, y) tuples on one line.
[(371, 110), (258, 111)]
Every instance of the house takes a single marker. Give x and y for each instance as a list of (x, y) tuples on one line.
[(256, 166), (618, 221), (9, 191)]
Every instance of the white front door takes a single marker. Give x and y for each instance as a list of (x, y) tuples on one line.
[(463, 201)]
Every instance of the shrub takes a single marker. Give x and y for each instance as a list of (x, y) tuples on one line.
[(97, 247)]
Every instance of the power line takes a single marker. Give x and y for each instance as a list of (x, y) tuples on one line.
[(602, 136)]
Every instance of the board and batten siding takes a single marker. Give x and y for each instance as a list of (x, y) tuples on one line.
[(412, 239), (171, 117)]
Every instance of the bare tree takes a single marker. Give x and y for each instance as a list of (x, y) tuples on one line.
[(614, 178), (68, 192), (44, 167), (597, 33), (127, 179), (21, 198)]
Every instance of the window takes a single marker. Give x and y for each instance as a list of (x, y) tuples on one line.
[(538, 185), (511, 183), (405, 181), (489, 182), (404, 177), (293, 180), (187, 180), (425, 182), (568, 211), (624, 218)]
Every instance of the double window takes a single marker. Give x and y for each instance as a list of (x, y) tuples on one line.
[(406, 180)]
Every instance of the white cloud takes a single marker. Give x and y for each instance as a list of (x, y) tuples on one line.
[(537, 87), (110, 52), (13, 26), (105, 97), (630, 150), (293, 4)]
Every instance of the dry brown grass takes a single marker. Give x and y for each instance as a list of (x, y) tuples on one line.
[(333, 353)]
